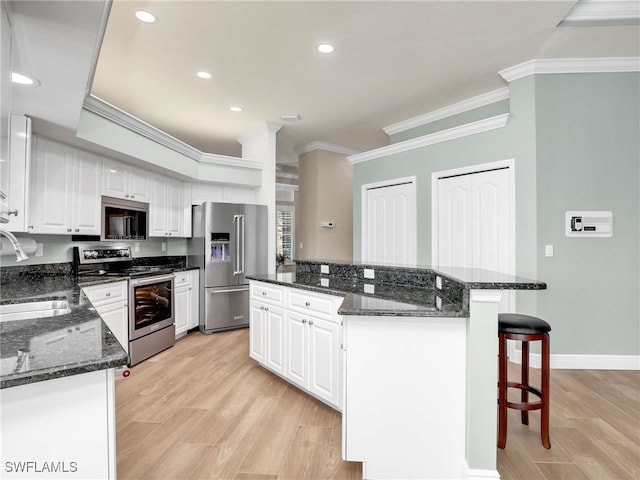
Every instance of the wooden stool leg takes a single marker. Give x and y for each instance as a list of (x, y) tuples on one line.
[(524, 379), (502, 391), (544, 417)]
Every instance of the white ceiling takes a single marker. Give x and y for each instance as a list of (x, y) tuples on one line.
[(394, 60)]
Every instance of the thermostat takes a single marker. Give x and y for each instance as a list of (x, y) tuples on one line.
[(588, 224)]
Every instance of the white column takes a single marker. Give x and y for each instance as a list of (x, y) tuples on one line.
[(482, 384), (260, 144)]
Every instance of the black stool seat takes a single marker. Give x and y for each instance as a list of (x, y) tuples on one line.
[(525, 329), (521, 324)]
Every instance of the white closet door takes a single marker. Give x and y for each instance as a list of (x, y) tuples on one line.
[(475, 222), (389, 224)]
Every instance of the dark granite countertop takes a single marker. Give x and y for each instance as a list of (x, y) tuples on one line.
[(83, 342), (61, 346), (370, 297), (397, 290)]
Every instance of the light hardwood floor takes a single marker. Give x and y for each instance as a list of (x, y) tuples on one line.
[(204, 410)]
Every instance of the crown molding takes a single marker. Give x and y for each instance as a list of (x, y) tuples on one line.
[(448, 111), (589, 12), (329, 147), (460, 131), (120, 117), (571, 65), (213, 158)]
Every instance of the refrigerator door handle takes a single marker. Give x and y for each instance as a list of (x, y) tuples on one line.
[(241, 250), (236, 255)]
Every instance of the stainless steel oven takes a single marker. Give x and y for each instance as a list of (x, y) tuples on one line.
[(151, 316)]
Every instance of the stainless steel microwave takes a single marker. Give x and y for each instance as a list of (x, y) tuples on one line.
[(124, 219)]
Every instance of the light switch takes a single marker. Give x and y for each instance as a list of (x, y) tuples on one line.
[(548, 250)]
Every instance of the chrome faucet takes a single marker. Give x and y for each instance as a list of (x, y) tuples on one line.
[(20, 255)]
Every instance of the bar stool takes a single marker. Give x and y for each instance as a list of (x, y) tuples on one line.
[(523, 328)]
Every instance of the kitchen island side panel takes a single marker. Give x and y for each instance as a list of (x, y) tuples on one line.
[(405, 387)]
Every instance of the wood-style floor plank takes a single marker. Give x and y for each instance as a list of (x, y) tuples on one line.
[(203, 410)]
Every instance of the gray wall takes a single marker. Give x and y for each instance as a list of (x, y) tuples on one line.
[(588, 159), (574, 139)]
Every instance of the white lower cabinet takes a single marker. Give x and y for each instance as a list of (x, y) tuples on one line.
[(187, 286), (111, 302), (60, 428), (298, 338)]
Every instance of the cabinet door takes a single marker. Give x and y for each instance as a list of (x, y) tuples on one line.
[(194, 320), (173, 224), (324, 353), (114, 179), (257, 332), (50, 189), (158, 209), (297, 365), (85, 198), (182, 309), (275, 338), (138, 185), (116, 316)]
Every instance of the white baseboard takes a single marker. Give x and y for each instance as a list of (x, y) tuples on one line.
[(480, 474), (582, 362)]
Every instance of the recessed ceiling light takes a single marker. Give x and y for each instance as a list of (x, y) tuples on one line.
[(146, 16), (326, 48), (22, 79), (205, 75), (235, 108)]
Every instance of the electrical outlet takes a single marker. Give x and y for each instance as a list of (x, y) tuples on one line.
[(164, 246), (369, 273), (548, 250), (368, 288), (39, 250), (136, 247), (324, 282), (324, 269), (438, 282)]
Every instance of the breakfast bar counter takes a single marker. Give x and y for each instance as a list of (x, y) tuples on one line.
[(417, 362)]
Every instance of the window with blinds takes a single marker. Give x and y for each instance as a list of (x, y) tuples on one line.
[(285, 245)]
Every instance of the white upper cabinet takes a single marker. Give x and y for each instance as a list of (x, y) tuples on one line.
[(64, 190), (124, 181), (166, 208)]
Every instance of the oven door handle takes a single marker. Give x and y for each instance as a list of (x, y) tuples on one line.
[(152, 279)]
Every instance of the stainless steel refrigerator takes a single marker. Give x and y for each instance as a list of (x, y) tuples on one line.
[(229, 241)]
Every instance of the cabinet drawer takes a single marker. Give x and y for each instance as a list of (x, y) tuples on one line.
[(267, 293), (312, 303), (183, 279), (106, 293)]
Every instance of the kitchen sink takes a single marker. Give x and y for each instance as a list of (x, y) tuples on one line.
[(33, 309)]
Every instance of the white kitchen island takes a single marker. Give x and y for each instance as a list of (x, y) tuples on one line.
[(418, 366)]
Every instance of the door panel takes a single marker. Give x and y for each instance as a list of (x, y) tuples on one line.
[(475, 223), (389, 224)]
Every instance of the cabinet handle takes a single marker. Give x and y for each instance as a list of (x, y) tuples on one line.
[(266, 309), (310, 322), (307, 304), (77, 229), (30, 227), (126, 195), (133, 196), (10, 212), (304, 321), (108, 294), (264, 293), (68, 229)]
